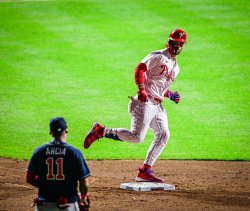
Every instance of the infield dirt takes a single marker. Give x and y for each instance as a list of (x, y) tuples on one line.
[(200, 185)]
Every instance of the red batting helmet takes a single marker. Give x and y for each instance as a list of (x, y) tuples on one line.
[(178, 35), (176, 40)]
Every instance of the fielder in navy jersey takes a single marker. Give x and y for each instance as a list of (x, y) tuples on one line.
[(153, 76), (56, 169)]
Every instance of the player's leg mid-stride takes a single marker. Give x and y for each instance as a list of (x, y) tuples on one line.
[(145, 174)]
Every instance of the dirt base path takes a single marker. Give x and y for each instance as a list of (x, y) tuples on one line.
[(200, 185)]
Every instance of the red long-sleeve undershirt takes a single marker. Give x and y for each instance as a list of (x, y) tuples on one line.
[(139, 73)]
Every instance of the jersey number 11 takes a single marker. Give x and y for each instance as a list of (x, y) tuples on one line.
[(59, 170)]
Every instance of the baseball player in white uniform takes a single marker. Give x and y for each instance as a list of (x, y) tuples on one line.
[(153, 76)]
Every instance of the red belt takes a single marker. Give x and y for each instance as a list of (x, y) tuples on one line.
[(155, 99)]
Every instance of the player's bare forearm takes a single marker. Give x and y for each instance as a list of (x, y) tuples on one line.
[(84, 203), (83, 185)]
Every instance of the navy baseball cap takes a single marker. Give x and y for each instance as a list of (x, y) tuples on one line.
[(57, 125)]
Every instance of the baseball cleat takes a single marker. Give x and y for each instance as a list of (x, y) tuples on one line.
[(94, 134), (147, 175)]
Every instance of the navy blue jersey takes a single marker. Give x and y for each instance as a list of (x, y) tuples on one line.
[(59, 166)]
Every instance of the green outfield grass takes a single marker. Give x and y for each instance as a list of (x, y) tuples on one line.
[(76, 59)]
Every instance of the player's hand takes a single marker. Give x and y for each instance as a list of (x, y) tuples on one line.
[(174, 96), (142, 95), (84, 204)]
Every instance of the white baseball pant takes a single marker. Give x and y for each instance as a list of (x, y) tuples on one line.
[(146, 115)]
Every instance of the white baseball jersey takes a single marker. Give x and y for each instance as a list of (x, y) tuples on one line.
[(161, 72)]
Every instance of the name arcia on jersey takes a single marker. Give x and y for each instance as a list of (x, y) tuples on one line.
[(55, 151)]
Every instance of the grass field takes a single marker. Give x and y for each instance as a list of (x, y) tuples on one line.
[(76, 58)]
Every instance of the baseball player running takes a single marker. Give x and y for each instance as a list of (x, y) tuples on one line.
[(153, 76), (56, 169)]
